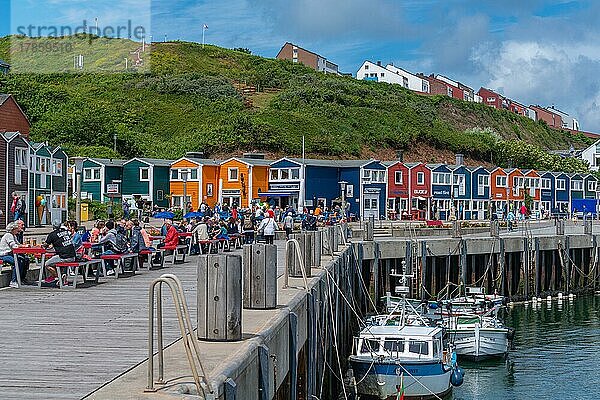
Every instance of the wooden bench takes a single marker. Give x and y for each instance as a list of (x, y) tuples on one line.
[(432, 223), (151, 264), (176, 250), (83, 265), (121, 259), (210, 243)]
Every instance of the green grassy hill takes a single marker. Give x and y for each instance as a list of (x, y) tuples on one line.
[(186, 101)]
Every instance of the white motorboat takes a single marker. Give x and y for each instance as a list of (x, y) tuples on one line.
[(389, 359), (477, 336), (401, 355)]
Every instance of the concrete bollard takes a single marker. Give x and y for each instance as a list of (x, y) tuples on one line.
[(260, 276), (368, 234), (560, 227), (456, 229), (220, 297), (316, 248), (293, 266), (587, 227), (494, 229)]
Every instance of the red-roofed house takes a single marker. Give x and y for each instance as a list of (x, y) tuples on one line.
[(12, 117)]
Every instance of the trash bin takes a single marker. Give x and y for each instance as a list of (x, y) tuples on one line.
[(84, 212)]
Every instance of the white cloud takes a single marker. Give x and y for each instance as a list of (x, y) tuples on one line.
[(534, 72)]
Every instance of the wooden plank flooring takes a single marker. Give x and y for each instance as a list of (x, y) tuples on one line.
[(64, 344)]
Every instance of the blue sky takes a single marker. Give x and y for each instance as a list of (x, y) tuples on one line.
[(534, 51)]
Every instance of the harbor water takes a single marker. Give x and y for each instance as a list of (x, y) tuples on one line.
[(556, 355)]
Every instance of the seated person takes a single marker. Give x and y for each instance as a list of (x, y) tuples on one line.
[(232, 227), (7, 244), (96, 231), (112, 243), (221, 233), (60, 240), (136, 240), (76, 235), (171, 239)]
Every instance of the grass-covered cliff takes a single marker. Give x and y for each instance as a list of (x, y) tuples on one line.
[(185, 100)]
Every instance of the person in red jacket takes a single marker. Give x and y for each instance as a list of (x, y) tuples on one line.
[(172, 237), (171, 240)]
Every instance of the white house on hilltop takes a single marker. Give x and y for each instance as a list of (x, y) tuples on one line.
[(592, 155), (391, 74), (568, 121)]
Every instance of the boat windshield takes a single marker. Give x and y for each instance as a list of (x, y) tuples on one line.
[(370, 346), (394, 346), (418, 347)]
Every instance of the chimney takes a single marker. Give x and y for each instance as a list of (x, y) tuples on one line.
[(379, 63), (400, 155), (460, 159)]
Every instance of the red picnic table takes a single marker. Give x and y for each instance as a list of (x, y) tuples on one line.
[(36, 251)]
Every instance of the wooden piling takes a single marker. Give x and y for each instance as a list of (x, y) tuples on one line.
[(260, 276), (220, 297)]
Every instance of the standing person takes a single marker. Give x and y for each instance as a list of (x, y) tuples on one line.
[(267, 227), (126, 209), (510, 219), (13, 207), (523, 212), (60, 240), (7, 244), (248, 227), (21, 209), (288, 225)]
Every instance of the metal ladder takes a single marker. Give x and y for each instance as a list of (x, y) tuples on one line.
[(187, 333)]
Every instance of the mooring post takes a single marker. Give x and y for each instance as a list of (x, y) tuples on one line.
[(260, 276), (317, 249), (526, 261), (463, 264), (293, 264), (293, 350), (594, 263), (567, 265), (538, 260), (220, 297), (502, 263), (423, 267), (368, 233)]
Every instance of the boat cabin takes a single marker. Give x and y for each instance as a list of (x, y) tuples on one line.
[(400, 342)]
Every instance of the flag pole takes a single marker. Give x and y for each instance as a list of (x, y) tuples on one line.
[(203, 29)]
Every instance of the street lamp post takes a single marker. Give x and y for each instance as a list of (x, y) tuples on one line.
[(343, 190), (78, 171), (184, 177)]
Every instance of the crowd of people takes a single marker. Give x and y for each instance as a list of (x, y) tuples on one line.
[(66, 241)]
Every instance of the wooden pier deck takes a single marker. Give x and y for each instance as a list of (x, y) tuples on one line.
[(64, 344)]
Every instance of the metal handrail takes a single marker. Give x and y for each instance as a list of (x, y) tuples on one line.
[(187, 334), (300, 260)]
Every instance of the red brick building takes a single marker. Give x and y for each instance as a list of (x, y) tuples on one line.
[(438, 86), (492, 98), (297, 54), (552, 119), (12, 117)]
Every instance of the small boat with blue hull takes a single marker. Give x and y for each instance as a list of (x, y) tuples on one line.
[(390, 358)]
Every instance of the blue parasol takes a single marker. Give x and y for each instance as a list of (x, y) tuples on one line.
[(164, 214), (193, 214)]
